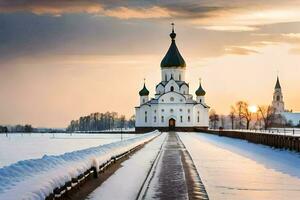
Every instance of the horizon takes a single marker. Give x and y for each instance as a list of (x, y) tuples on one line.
[(63, 61)]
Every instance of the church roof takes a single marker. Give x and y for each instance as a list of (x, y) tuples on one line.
[(200, 91), (277, 86), (144, 91), (173, 57), (294, 118)]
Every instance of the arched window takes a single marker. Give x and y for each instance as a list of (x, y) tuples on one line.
[(189, 118), (154, 119), (198, 119), (200, 100), (172, 99), (278, 98), (180, 77), (172, 88), (145, 116), (181, 119), (162, 119)]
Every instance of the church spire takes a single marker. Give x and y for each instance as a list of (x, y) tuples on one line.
[(277, 86)]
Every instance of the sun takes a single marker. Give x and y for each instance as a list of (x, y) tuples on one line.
[(253, 108)]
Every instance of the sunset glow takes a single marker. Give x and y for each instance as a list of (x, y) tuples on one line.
[(236, 48), (253, 108)]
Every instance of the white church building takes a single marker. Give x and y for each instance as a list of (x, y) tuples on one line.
[(172, 107), (289, 117)]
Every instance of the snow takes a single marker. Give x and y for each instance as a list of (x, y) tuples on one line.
[(17, 146), (36, 178), (293, 117), (295, 132), (128, 180), (235, 169)]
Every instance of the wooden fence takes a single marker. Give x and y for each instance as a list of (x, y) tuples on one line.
[(273, 140)]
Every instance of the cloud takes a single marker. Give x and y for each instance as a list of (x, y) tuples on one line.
[(138, 13), (238, 50), (230, 28), (292, 35), (215, 15), (52, 7)]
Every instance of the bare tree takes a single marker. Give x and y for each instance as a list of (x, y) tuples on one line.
[(267, 115), (232, 116), (238, 109), (243, 112), (122, 121), (214, 118), (247, 115)]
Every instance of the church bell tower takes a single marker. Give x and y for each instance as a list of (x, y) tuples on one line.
[(278, 103)]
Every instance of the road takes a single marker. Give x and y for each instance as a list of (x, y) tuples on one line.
[(201, 166)]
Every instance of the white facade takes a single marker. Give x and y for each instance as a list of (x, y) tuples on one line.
[(172, 104)]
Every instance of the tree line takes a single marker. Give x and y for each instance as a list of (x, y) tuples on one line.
[(101, 121), (241, 117), (17, 129)]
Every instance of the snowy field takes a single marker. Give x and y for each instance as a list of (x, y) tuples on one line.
[(235, 169), (17, 147), (36, 178)]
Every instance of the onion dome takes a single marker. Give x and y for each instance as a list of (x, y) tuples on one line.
[(173, 57), (144, 91), (200, 91), (277, 86)]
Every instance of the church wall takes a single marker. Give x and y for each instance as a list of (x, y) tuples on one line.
[(160, 89), (172, 85), (187, 112), (184, 89)]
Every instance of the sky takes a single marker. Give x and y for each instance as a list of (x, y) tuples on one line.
[(62, 59)]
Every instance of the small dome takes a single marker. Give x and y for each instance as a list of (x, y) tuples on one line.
[(200, 91), (144, 91)]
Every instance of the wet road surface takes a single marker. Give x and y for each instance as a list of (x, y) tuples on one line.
[(174, 175)]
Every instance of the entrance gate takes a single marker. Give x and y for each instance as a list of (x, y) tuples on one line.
[(172, 124)]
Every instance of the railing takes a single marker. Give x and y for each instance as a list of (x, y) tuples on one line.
[(276, 140), (276, 131)]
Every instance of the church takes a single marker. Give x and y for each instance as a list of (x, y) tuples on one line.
[(289, 117), (172, 108)]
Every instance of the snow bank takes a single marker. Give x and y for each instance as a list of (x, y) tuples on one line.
[(36, 178)]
